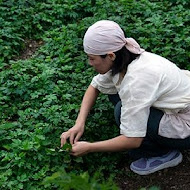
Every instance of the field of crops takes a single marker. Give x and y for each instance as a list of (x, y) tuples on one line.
[(40, 95)]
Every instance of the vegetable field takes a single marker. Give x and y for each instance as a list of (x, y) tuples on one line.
[(40, 95)]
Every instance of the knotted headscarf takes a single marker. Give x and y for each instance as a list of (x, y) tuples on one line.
[(106, 36)]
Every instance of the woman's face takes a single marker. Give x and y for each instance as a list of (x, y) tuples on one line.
[(101, 65)]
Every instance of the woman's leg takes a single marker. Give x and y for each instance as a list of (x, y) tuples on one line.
[(153, 144), (155, 152), (180, 144), (115, 100)]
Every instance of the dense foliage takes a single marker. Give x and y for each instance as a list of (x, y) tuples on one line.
[(40, 97)]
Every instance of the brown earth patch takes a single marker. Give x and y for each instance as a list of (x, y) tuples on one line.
[(30, 47), (176, 178)]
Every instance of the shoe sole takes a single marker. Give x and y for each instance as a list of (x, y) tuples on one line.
[(169, 164)]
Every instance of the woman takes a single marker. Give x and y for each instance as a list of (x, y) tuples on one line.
[(151, 97)]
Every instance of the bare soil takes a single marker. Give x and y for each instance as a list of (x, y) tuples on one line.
[(176, 178), (30, 47)]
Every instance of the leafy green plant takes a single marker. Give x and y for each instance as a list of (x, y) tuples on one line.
[(62, 180), (24, 19), (40, 97)]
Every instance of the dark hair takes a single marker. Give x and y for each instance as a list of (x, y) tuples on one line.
[(123, 58)]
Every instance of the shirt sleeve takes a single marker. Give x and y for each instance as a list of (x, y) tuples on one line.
[(104, 83), (139, 90)]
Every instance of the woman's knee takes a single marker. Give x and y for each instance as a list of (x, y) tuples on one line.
[(114, 98), (116, 101), (154, 119)]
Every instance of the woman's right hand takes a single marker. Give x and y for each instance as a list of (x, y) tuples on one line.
[(73, 134)]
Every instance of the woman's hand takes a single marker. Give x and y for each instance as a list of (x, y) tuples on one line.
[(80, 148), (77, 130), (73, 134)]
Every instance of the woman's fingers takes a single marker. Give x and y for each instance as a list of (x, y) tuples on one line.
[(80, 148), (77, 137), (72, 136), (64, 137)]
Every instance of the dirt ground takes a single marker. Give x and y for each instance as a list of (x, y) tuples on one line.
[(176, 178), (30, 47)]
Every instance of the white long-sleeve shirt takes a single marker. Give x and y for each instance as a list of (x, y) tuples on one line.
[(150, 80)]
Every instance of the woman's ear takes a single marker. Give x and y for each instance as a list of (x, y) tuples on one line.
[(111, 56)]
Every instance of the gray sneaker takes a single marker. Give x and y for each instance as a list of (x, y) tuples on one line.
[(145, 166)]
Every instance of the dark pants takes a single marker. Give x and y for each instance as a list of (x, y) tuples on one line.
[(153, 144)]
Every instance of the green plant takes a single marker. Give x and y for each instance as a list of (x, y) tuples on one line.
[(62, 180), (40, 97)]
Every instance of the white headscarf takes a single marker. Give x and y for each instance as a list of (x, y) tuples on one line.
[(106, 36)]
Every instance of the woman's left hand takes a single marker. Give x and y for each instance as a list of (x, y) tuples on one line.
[(80, 148)]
